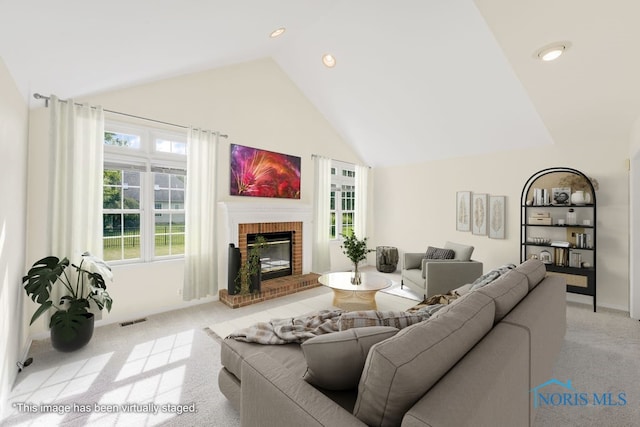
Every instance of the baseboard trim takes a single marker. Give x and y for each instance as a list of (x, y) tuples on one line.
[(119, 319), (185, 304), (586, 299)]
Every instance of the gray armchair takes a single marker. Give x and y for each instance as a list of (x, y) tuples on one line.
[(430, 277)]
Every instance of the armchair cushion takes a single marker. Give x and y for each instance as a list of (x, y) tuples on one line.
[(462, 252), (439, 253)]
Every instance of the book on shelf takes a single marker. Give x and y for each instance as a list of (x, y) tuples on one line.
[(561, 257), (541, 197), (560, 244)]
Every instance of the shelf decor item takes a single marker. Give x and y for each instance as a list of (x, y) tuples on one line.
[(574, 246), (545, 257), (580, 198), (561, 195)]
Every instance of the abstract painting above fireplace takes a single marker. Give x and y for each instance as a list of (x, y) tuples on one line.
[(260, 173)]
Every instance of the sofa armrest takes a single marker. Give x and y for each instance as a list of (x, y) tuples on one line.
[(272, 396), (442, 276), (488, 387), (413, 260)]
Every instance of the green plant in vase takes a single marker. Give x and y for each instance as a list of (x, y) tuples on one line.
[(356, 250)]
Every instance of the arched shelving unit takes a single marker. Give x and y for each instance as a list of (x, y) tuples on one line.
[(560, 228)]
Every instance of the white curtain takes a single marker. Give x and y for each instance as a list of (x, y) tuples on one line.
[(200, 269), (76, 137), (360, 220), (320, 259)]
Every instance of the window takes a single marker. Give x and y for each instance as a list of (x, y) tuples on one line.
[(169, 191), (342, 203), (121, 214), (143, 194)]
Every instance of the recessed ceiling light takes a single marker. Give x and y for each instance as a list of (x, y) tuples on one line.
[(329, 60), (552, 51), (277, 33)]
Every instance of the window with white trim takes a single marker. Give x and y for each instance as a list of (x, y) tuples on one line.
[(144, 192), (342, 202)]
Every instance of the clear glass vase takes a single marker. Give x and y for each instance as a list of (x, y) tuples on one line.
[(356, 279)]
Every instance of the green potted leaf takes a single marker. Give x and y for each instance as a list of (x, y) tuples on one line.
[(71, 323)]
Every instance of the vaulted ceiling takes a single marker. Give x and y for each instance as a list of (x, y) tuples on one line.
[(415, 80)]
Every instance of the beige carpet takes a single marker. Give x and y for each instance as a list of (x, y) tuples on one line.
[(600, 354)]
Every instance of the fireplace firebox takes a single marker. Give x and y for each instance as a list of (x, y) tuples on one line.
[(275, 256)]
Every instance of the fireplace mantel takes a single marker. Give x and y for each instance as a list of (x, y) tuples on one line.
[(232, 214)]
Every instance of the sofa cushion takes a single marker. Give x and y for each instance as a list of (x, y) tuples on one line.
[(492, 275), (335, 361), (233, 352), (535, 271), (507, 291), (361, 319), (401, 369), (462, 252), (439, 253)]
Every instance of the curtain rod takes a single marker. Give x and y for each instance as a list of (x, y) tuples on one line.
[(336, 160), (47, 98)]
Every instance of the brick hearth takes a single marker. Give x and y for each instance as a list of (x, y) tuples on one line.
[(270, 289)]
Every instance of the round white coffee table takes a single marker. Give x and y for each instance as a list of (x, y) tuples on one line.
[(354, 297)]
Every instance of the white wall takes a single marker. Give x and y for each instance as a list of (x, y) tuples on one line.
[(634, 213), (255, 103), (13, 183), (415, 205)]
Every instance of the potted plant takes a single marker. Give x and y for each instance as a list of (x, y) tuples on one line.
[(356, 250), (248, 278), (71, 323)]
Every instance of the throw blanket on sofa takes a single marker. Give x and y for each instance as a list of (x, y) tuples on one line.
[(290, 330)]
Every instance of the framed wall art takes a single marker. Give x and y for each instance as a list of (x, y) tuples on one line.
[(480, 212), (261, 173), (497, 217), (463, 210)]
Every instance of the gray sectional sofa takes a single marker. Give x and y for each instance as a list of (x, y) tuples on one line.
[(473, 363)]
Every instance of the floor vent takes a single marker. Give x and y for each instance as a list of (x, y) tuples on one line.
[(132, 322)]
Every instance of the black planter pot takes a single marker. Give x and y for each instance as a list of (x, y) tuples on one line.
[(82, 337)]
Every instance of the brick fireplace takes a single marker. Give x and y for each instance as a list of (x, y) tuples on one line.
[(242, 219), (275, 227)]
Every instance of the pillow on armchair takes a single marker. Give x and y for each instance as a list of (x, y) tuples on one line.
[(439, 253)]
